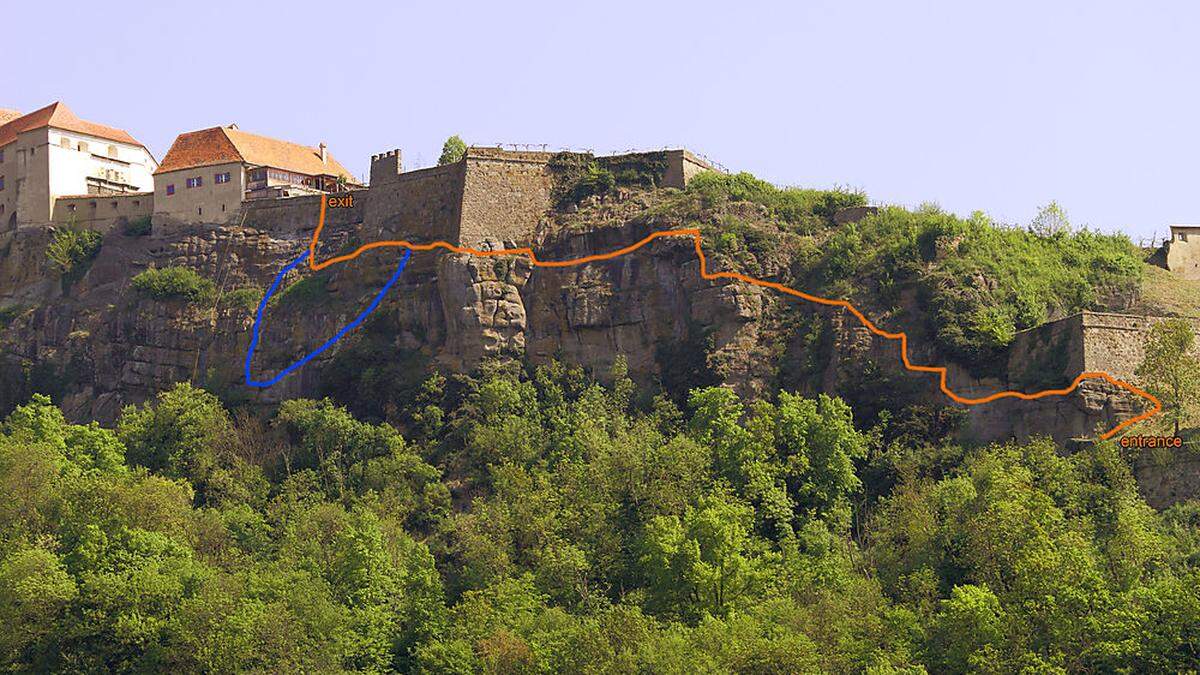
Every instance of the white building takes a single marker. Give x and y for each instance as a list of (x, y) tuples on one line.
[(51, 153)]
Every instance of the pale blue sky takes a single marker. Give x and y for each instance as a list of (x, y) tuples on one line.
[(1000, 107)]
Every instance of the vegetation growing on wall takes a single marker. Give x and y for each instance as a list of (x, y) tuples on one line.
[(173, 283), (138, 227), (805, 210), (1171, 371), (979, 282), (579, 175)]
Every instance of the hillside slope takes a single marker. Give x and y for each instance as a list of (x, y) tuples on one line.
[(961, 288)]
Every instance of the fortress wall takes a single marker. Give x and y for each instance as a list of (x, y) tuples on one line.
[(1088, 341), (682, 166), (103, 212), (1115, 343), (295, 215), (505, 195), (1049, 354), (419, 206)]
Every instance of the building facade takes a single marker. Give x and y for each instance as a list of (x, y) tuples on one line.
[(207, 174), (51, 153), (1182, 252)]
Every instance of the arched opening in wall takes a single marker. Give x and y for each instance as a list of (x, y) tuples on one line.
[(12, 221)]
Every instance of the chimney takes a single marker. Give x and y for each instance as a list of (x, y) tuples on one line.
[(324, 153)]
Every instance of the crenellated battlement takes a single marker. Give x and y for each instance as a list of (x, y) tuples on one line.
[(386, 166)]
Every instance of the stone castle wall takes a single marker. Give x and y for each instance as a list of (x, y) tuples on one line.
[(418, 206), (682, 166), (296, 215), (1115, 343), (1181, 254), (505, 195), (103, 213), (1088, 341)]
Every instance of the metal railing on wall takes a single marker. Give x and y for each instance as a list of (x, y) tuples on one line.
[(546, 147)]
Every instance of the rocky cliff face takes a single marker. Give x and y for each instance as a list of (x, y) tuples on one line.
[(97, 345)]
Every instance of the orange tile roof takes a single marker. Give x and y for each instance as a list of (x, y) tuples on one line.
[(222, 145), (199, 148), (8, 114), (59, 116)]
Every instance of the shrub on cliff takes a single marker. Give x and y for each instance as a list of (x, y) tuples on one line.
[(173, 283), (245, 298), (979, 282), (72, 247), (806, 209), (138, 227)]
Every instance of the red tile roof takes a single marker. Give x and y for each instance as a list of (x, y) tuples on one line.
[(199, 148), (8, 114), (59, 116), (222, 145)]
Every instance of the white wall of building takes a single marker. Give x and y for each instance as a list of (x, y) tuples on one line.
[(48, 163)]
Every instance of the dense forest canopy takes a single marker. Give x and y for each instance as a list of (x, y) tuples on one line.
[(537, 521)]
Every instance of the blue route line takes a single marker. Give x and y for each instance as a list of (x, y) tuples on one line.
[(258, 317)]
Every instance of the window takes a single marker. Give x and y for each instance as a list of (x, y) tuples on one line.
[(114, 205), (195, 182), (170, 189), (92, 204), (64, 142), (71, 208), (83, 147), (112, 151), (1, 156), (137, 203), (199, 210), (1, 182), (221, 178)]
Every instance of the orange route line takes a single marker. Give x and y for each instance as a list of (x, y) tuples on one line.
[(940, 371)]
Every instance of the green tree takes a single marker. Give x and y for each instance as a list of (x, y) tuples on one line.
[(704, 563), (1050, 220), (186, 433), (452, 150), (968, 632), (1170, 370), (35, 590)]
